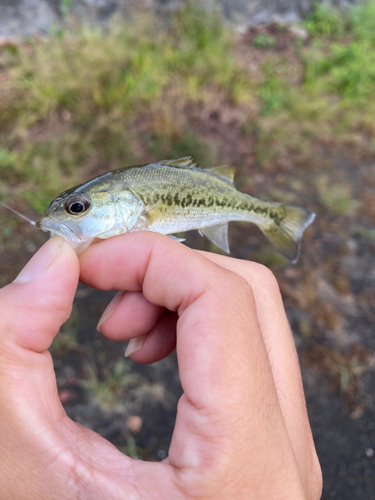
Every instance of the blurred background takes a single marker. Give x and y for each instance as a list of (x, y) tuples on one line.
[(282, 90)]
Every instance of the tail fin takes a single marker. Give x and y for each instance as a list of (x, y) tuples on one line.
[(286, 233)]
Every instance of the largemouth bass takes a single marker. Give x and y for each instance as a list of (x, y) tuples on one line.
[(169, 197)]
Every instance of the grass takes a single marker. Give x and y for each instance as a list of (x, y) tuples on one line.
[(344, 369), (179, 145), (325, 21), (342, 61), (333, 96), (83, 102), (337, 198), (69, 102), (273, 93), (263, 41), (367, 233), (109, 390), (66, 340)]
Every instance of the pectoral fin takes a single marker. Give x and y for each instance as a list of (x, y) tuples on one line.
[(218, 235)]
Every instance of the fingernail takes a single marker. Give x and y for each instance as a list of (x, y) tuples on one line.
[(110, 309), (135, 345), (41, 260)]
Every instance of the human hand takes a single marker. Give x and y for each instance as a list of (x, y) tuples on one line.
[(241, 431)]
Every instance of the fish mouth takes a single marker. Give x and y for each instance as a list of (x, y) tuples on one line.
[(54, 226)]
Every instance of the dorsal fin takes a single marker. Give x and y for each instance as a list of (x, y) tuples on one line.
[(225, 171), (185, 162)]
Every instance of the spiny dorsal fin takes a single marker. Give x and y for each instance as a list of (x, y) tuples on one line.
[(218, 235), (225, 171), (185, 162)]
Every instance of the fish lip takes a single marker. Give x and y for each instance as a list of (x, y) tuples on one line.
[(55, 226)]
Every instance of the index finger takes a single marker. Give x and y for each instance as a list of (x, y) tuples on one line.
[(282, 354), (224, 367), (173, 276)]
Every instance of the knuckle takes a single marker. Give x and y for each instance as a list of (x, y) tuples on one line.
[(264, 274), (264, 281), (239, 287)]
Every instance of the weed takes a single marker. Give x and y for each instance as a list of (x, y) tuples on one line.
[(263, 41), (273, 94), (325, 20), (368, 233), (162, 145), (71, 100), (338, 198), (109, 389), (345, 68), (107, 393), (330, 99), (282, 27), (362, 22), (274, 91), (131, 448), (344, 368), (8, 159), (66, 7), (66, 340)]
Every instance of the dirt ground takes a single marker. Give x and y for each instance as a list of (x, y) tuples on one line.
[(329, 297)]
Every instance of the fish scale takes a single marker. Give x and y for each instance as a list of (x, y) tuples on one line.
[(170, 196), (177, 200)]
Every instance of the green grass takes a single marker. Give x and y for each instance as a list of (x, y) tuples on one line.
[(330, 97), (124, 70), (325, 21), (8, 160), (263, 41), (71, 103), (109, 390), (179, 145), (338, 200), (367, 233), (273, 93), (341, 58), (66, 340), (84, 102)]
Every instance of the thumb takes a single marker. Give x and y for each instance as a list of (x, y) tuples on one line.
[(35, 305), (32, 309)]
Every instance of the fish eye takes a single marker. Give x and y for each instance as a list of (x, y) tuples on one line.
[(77, 205)]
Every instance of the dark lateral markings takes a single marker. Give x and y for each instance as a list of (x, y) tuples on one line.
[(189, 201)]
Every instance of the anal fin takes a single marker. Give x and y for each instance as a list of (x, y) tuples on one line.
[(176, 238), (218, 235)]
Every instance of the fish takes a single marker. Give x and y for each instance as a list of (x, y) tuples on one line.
[(168, 197)]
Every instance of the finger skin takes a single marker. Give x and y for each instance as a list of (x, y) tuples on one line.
[(230, 440), (283, 359), (216, 341), (133, 316), (30, 317), (43, 454), (138, 314), (160, 340)]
